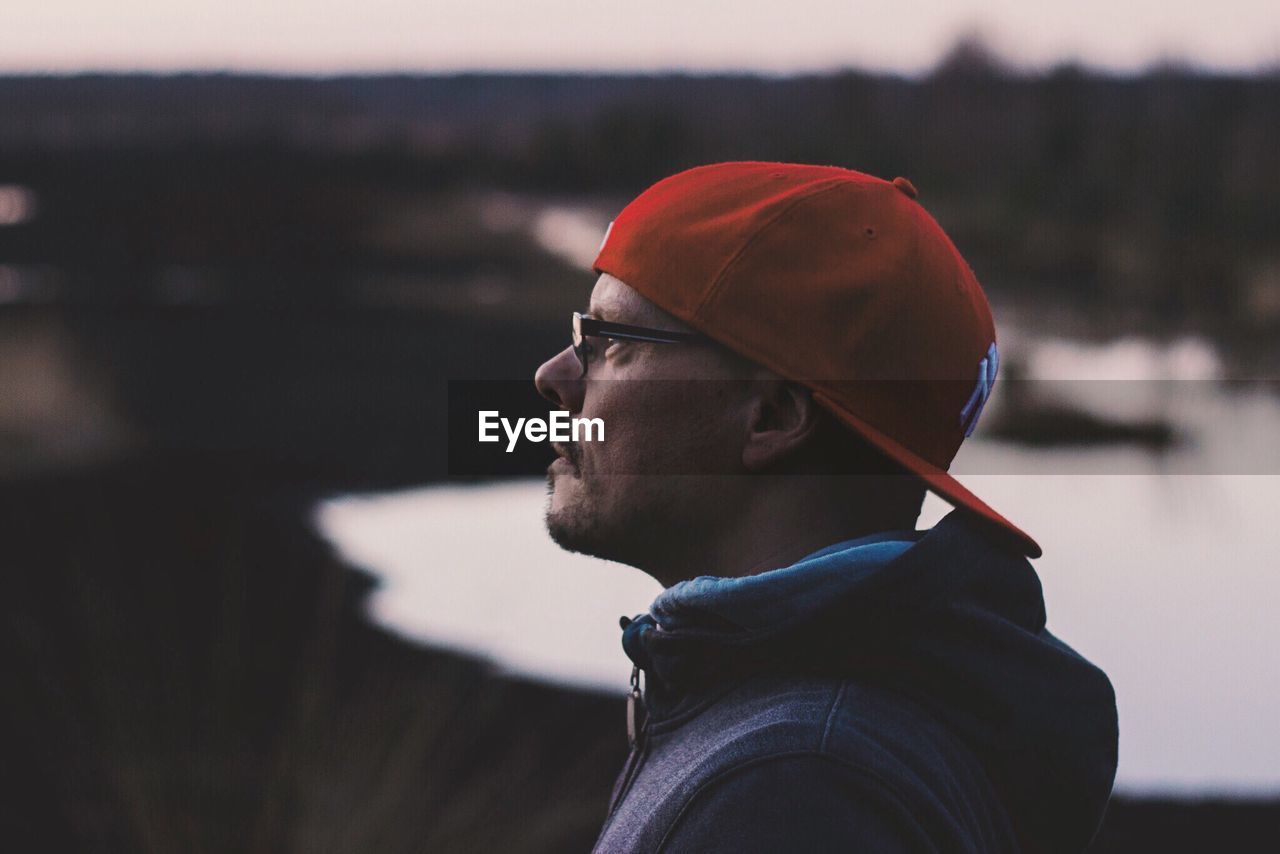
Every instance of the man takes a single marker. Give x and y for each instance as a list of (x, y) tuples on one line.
[(785, 357)]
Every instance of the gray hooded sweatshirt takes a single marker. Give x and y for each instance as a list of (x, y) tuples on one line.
[(893, 693)]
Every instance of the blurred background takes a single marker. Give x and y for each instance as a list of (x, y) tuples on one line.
[(245, 249)]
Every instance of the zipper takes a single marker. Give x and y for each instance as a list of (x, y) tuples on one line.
[(637, 729), (635, 706)]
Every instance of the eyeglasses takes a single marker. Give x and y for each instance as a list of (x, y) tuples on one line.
[(585, 327)]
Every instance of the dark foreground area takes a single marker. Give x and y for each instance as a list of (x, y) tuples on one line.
[(189, 669)]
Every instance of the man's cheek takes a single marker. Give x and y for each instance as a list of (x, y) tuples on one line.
[(622, 452)]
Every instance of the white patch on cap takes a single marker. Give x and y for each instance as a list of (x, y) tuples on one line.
[(987, 369), (605, 239)]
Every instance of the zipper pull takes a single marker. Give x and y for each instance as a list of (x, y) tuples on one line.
[(635, 704)]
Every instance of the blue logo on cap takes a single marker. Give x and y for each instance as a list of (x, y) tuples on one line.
[(986, 380)]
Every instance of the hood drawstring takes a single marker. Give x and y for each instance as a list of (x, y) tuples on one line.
[(635, 699), (635, 706)]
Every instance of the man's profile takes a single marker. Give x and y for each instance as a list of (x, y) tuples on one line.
[(786, 358)]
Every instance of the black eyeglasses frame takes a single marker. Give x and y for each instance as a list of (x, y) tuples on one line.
[(585, 326)]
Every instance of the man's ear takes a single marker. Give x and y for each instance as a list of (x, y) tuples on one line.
[(781, 418)]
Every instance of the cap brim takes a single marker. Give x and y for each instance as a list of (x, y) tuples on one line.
[(937, 479)]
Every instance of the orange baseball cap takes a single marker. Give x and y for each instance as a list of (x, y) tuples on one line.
[(832, 278)]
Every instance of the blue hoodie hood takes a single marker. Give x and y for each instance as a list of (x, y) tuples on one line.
[(945, 617)]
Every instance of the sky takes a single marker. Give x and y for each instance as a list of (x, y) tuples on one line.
[(776, 36)]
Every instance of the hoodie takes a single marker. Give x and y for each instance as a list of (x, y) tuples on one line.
[(897, 692)]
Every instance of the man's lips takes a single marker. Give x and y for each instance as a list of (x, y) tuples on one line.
[(566, 462)]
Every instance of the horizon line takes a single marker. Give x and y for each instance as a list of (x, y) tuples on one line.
[(998, 69)]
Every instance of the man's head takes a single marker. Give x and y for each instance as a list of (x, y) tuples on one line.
[(699, 441), (842, 329)]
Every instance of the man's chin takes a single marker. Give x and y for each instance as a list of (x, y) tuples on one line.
[(563, 491), (569, 520), (569, 533), (579, 518)]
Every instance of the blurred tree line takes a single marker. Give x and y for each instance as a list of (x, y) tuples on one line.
[(1153, 196)]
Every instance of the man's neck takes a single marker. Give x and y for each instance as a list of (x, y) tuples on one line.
[(777, 528)]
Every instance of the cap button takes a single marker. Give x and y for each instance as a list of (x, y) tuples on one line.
[(908, 189)]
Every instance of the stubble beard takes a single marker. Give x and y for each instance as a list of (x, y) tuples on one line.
[(585, 523), (565, 524)]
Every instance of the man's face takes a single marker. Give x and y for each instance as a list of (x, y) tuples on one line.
[(673, 423)]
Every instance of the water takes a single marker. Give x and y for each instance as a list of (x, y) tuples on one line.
[(1166, 581)]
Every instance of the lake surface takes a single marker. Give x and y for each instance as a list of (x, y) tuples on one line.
[(1167, 582), (1159, 567)]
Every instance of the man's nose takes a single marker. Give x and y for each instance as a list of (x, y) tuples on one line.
[(559, 379)]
